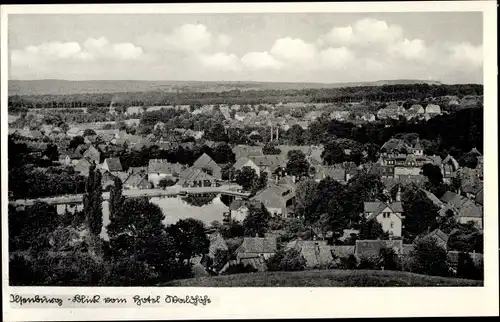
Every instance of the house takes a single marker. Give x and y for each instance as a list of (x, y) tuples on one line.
[(239, 209), (241, 151), (207, 164), (334, 172), (373, 247), (432, 197), (449, 168), (416, 109), (269, 163), (440, 237), (137, 181), (194, 177), (92, 154), (112, 165), (83, 167), (277, 199), (340, 115), (161, 168), (240, 116), (74, 131), (389, 215), (246, 162), (137, 170), (466, 209), (107, 180), (433, 110), (316, 252), (260, 247), (368, 117)]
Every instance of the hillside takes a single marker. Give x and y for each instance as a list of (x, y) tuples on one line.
[(324, 278), (62, 87)]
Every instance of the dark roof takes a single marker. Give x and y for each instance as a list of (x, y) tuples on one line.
[(439, 233), (136, 180), (453, 199), (378, 206), (114, 164), (237, 204), (165, 167), (373, 247), (479, 196), (258, 245)]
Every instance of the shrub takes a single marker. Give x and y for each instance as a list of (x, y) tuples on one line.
[(349, 262), (389, 259), (290, 260), (467, 268), (369, 261), (429, 258)]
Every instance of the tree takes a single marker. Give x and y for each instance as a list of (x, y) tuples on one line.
[(371, 230), (166, 182), (246, 177), (88, 132), (92, 201), (420, 214), (51, 152), (466, 267), (223, 154), (290, 260), (270, 150), (389, 259), (333, 153), (297, 164), (76, 141), (217, 133), (433, 173), (429, 258), (190, 238), (115, 198), (256, 223), (295, 135)]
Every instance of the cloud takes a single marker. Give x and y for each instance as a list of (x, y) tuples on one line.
[(293, 50), (410, 49), (221, 61), (92, 49), (366, 49), (190, 37), (260, 60), (466, 54), (335, 57)]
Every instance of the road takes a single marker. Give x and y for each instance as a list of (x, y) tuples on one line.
[(232, 190)]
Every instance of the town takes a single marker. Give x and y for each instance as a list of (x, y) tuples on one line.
[(184, 188)]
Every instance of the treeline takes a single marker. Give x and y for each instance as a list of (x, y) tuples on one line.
[(323, 95), (454, 133)]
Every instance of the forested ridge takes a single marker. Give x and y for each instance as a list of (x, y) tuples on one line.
[(383, 93)]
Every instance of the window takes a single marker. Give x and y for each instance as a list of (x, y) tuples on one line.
[(392, 224)]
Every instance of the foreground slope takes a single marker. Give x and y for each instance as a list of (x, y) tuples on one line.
[(325, 278)]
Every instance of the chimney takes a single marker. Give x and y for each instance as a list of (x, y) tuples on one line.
[(277, 133), (398, 195), (271, 133)]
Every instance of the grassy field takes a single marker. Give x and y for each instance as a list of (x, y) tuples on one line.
[(325, 278)]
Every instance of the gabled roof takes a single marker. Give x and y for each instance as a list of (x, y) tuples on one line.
[(470, 210), (137, 169), (479, 197), (432, 197), (453, 199), (195, 174), (373, 247), (238, 203), (271, 161), (241, 162), (450, 159), (114, 164), (333, 172), (258, 245), (439, 233), (164, 167), (376, 207), (136, 179)]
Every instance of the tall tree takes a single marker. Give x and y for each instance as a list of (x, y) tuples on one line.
[(256, 223), (297, 164), (190, 238), (246, 177), (92, 201), (333, 153), (115, 198)]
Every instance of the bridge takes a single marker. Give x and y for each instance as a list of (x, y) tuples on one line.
[(229, 190)]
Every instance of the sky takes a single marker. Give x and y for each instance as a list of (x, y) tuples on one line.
[(274, 47)]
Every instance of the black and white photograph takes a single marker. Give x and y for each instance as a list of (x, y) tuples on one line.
[(245, 149)]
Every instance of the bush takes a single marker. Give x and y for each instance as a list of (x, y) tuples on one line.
[(290, 260), (467, 268), (369, 261), (429, 258), (349, 262), (389, 259), (166, 183)]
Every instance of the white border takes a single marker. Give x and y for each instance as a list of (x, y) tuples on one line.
[(289, 302)]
